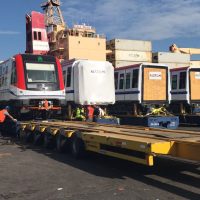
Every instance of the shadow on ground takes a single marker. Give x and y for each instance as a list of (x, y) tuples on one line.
[(174, 176)]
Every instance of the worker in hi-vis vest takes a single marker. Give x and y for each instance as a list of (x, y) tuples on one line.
[(89, 113), (5, 124), (80, 113)]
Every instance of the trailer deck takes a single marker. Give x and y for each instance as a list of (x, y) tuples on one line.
[(136, 144)]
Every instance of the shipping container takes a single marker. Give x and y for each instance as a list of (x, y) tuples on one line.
[(131, 56), (195, 63), (167, 57), (177, 65), (129, 45), (122, 63)]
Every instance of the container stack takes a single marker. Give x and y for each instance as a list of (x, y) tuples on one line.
[(195, 63), (173, 60), (128, 52)]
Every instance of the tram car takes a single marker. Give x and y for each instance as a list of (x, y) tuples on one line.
[(88, 82), (27, 81), (139, 88), (185, 90)]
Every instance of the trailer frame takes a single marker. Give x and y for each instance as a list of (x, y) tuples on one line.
[(136, 144)]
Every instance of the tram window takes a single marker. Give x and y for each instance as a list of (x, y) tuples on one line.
[(64, 77), (121, 81), (13, 74), (116, 80), (3, 70), (182, 80), (2, 81), (6, 70), (174, 82), (39, 36), (5, 81), (69, 77), (135, 78), (35, 35), (128, 80)]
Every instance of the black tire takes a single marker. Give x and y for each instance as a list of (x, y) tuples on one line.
[(28, 137), (60, 143), (77, 147), (21, 135), (48, 141), (38, 138)]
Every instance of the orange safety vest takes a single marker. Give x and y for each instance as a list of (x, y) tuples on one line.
[(90, 111), (2, 115)]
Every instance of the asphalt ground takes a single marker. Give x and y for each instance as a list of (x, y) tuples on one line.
[(34, 173)]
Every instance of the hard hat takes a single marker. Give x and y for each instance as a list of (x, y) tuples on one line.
[(7, 107)]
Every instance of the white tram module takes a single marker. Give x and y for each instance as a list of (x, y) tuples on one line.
[(140, 88), (88, 82), (185, 93)]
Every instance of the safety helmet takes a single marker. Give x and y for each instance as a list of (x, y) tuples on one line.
[(7, 107)]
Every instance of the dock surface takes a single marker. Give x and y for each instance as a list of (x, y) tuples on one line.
[(30, 172)]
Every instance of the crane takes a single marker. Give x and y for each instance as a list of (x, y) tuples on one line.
[(175, 49), (53, 14), (67, 43)]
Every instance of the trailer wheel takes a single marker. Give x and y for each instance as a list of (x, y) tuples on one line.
[(37, 138), (48, 141), (60, 143), (28, 137), (21, 135), (77, 147)]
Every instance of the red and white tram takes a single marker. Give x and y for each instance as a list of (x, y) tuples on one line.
[(26, 81)]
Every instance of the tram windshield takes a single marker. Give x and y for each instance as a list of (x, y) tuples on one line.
[(40, 72)]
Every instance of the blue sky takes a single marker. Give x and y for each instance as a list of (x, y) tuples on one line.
[(162, 21)]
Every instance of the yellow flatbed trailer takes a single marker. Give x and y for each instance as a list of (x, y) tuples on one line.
[(136, 144)]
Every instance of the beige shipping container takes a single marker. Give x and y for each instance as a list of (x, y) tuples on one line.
[(86, 48), (129, 45), (121, 63), (195, 63), (177, 65), (136, 56), (167, 57)]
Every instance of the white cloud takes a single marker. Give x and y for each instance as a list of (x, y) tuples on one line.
[(9, 32), (137, 19)]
